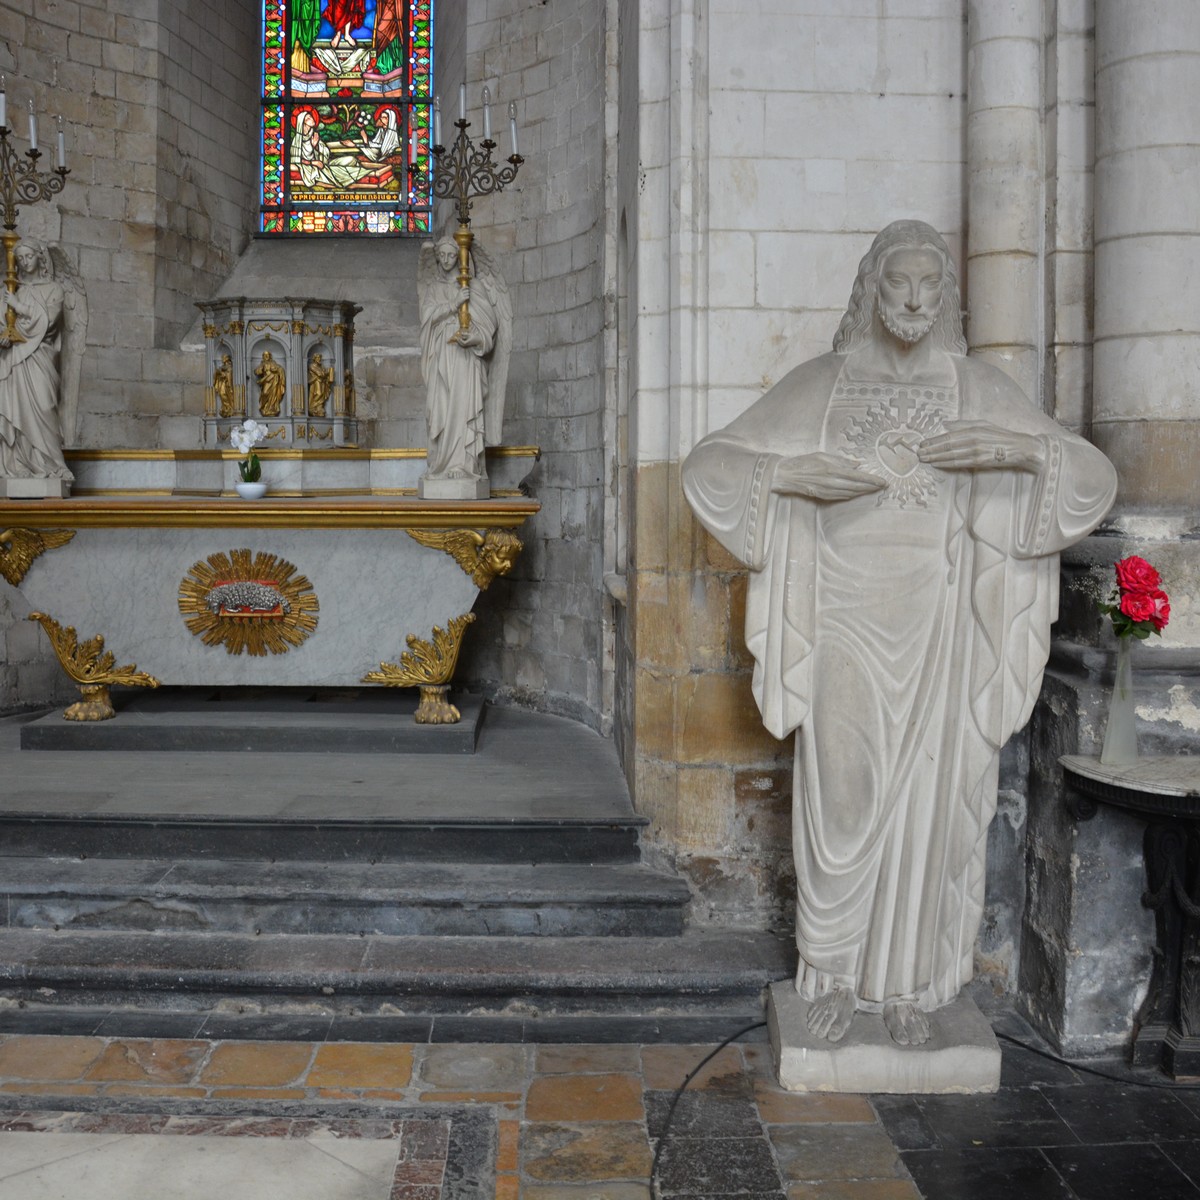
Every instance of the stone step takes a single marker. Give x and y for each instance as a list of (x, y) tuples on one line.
[(169, 837), (354, 899), (702, 971)]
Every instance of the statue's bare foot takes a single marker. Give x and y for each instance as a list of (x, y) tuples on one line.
[(907, 1024), (829, 1016)]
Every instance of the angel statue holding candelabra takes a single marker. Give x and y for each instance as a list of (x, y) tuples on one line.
[(465, 365), (39, 372)]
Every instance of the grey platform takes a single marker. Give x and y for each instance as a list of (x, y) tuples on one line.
[(239, 720), (494, 895)]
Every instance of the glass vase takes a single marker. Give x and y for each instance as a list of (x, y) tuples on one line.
[(1120, 735)]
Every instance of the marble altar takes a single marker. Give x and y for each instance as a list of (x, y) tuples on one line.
[(901, 509), (205, 589)]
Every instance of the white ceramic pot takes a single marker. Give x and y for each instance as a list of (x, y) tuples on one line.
[(251, 491)]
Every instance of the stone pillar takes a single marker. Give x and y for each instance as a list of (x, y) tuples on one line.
[(1087, 941), (1005, 196), (1146, 406)]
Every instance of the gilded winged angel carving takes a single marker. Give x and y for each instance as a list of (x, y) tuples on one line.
[(481, 556), (19, 548)]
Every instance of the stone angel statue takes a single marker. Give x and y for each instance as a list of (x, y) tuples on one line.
[(465, 370), (39, 374)]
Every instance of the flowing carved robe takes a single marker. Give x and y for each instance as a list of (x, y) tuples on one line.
[(456, 381), (30, 433), (903, 635)]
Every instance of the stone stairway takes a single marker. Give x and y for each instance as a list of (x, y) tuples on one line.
[(498, 894)]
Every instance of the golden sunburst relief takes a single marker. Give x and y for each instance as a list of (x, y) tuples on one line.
[(886, 446), (251, 604)]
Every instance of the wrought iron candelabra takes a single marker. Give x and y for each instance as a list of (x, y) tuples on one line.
[(466, 171), (21, 183)]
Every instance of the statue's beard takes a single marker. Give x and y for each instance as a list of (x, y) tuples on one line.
[(909, 332)]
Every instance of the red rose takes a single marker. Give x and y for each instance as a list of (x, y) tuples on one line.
[(1138, 606), (1162, 608), (1137, 575), (345, 93)]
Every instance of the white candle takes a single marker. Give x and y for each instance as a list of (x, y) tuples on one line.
[(512, 125), (412, 149), (437, 121), (62, 145), (462, 101), (32, 127), (3, 105), (487, 113)]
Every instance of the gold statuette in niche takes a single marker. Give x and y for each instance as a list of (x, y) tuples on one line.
[(481, 556), (20, 547), (250, 604), (92, 668), (428, 665)]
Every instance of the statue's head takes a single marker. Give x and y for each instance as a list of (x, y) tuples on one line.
[(447, 253), (31, 258), (267, 356), (916, 298)]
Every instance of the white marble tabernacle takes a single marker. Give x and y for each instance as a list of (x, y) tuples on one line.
[(901, 509)]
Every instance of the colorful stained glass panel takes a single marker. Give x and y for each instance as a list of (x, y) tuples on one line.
[(345, 127)]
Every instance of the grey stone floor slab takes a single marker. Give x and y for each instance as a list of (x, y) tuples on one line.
[(526, 766)]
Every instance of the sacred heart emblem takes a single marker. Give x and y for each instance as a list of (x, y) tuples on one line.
[(885, 444), (896, 451)]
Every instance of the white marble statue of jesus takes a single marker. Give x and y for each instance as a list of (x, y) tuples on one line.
[(901, 509)]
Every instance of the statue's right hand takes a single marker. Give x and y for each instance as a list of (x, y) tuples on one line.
[(823, 476)]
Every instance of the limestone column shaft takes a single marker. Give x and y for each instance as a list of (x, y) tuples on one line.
[(1146, 404), (1005, 196)]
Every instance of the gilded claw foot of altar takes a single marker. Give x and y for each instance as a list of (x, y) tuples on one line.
[(96, 705), (435, 709)]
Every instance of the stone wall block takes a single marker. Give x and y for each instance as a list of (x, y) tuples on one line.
[(738, 654), (1004, 19), (1073, 387), (704, 808), (1150, 27), (1005, 225), (654, 716), (1158, 459), (1003, 74), (1149, 113), (1146, 378), (1158, 284), (654, 784), (718, 722), (1146, 191), (1001, 301)]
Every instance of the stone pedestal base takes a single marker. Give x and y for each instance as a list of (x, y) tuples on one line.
[(454, 489), (962, 1055), (35, 489)]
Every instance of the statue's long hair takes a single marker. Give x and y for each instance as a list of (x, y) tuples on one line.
[(857, 325)]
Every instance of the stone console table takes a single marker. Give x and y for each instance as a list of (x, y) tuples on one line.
[(1165, 791)]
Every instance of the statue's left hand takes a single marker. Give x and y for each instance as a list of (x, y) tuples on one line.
[(981, 446)]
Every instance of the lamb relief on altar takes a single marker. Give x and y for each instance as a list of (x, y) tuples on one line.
[(41, 350), (901, 509)]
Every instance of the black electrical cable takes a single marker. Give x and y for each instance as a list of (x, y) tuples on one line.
[(1078, 1066), (662, 1135)]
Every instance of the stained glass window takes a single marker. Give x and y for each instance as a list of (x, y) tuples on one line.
[(346, 93)]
